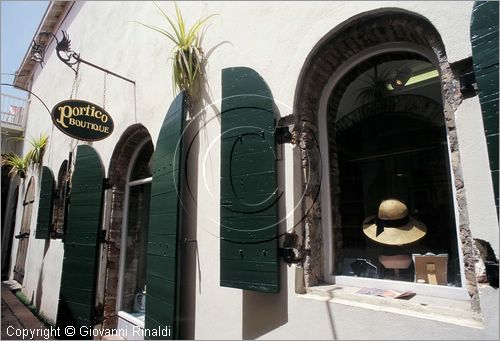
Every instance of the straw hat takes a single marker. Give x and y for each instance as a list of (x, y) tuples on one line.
[(393, 225)]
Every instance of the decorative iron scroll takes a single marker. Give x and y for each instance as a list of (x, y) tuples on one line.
[(64, 53)]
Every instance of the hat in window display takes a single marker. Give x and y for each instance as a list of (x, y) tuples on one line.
[(393, 225)]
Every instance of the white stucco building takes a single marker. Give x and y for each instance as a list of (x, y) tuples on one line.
[(210, 254)]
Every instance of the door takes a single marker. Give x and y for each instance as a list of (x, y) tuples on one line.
[(24, 233)]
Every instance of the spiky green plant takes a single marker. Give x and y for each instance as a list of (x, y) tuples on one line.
[(38, 148), (18, 165), (186, 55)]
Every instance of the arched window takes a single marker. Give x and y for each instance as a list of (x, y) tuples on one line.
[(132, 284), (396, 200)]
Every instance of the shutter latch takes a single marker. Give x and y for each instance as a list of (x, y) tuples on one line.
[(22, 235), (186, 241)]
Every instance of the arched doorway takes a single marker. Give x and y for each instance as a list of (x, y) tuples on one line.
[(351, 49), (128, 174)]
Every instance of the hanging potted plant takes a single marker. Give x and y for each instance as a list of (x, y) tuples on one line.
[(18, 165), (187, 54)]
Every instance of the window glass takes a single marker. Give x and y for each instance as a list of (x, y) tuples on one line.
[(142, 166), (135, 243), (134, 277), (396, 198)]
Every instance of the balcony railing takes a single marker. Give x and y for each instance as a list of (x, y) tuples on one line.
[(13, 111)]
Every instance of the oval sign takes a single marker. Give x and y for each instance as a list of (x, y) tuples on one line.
[(82, 120)]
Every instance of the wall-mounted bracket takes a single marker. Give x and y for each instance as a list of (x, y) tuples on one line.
[(64, 53), (283, 135)]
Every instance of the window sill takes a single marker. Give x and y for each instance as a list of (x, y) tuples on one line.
[(420, 306), (131, 319), (450, 292)]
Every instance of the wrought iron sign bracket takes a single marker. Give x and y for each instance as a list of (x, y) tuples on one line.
[(65, 54)]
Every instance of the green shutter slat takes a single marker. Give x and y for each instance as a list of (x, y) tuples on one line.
[(496, 183), (163, 256), (44, 220), (492, 143), (249, 194), (78, 279), (484, 39)]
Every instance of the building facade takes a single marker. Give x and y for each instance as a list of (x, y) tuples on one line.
[(258, 206)]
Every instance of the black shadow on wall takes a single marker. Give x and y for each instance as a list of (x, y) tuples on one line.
[(264, 312)]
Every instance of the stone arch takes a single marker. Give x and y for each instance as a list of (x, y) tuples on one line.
[(120, 161), (323, 80), (365, 31)]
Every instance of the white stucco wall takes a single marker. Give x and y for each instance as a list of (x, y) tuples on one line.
[(476, 172), (274, 38)]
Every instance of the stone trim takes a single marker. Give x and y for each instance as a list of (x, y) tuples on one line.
[(355, 37)]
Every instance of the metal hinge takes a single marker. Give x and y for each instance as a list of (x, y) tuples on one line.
[(287, 252), (106, 183), (282, 135), (101, 237), (468, 84)]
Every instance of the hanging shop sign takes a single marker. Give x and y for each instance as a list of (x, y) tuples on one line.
[(82, 120)]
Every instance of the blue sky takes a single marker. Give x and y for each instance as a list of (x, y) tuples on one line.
[(19, 21)]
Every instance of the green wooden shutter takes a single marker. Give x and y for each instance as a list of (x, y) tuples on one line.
[(163, 258), (484, 36), (78, 282), (44, 221), (249, 194)]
